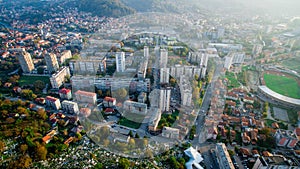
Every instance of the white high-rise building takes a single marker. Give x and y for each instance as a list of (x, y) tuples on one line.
[(146, 51), (120, 61), (165, 97), (164, 75), (26, 62), (51, 62), (163, 59), (204, 60), (228, 62)]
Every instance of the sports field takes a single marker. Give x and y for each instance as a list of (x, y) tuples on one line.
[(283, 84)]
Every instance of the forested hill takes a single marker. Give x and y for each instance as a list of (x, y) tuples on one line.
[(111, 8)]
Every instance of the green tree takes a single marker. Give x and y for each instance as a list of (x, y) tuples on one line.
[(40, 70), (98, 166), (38, 85), (124, 163)]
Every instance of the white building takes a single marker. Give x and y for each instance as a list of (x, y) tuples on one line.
[(64, 56), (86, 97), (26, 62), (170, 132), (120, 61), (51, 62), (163, 59), (58, 78), (70, 107), (165, 96), (223, 157), (53, 102), (135, 107), (228, 62), (164, 75)]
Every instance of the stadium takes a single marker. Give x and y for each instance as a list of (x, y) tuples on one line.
[(280, 88)]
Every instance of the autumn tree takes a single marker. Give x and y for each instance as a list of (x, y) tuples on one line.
[(23, 148), (41, 152), (2, 146), (42, 114)]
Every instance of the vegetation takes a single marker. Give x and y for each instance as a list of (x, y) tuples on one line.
[(232, 80), (29, 80), (110, 8), (27, 128), (284, 85), (167, 120)]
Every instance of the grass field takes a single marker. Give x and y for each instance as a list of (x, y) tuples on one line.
[(292, 63), (232, 81), (283, 85), (28, 80)]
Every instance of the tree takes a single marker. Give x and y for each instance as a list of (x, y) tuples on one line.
[(174, 163), (98, 166), (105, 142), (38, 85), (172, 81), (2, 146), (130, 133), (124, 163), (41, 152), (40, 70), (42, 114), (23, 148), (132, 142), (122, 93), (137, 135)]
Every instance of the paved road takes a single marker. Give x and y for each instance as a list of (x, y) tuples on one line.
[(200, 131)]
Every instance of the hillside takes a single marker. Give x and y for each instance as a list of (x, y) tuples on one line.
[(112, 8)]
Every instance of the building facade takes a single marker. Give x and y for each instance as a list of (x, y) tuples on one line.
[(165, 97), (53, 102), (86, 97), (26, 62), (70, 107), (120, 61), (223, 157), (65, 94), (57, 79), (51, 62)]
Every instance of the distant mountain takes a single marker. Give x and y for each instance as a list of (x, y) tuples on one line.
[(112, 8), (152, 5)]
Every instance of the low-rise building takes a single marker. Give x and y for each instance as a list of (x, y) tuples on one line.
[(65, 94), (86, 112), (135, 107), (275, 161), (70, 107), (109, 101), (170, 132), (53, 102), (86, 97), (286, 138)]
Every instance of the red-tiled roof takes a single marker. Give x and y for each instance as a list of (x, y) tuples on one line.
[(282, 141), (46, 138), (64, 91), (80, 92), (51, 99), (109, 99), (293, 143), (297, 131)]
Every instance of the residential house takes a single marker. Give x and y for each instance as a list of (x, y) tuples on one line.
[(53, 102)]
